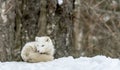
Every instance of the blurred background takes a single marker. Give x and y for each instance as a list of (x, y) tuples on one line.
[(76, 27)]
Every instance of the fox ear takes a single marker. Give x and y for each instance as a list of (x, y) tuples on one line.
[(36, 38)]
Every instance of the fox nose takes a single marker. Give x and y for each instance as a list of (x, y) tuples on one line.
[(37, 51)]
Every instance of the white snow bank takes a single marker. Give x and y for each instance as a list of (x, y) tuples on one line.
[(66, 63)]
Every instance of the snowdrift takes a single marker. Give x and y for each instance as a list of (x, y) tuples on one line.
[(66, 63)]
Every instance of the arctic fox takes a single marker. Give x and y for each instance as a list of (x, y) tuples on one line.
[(41, 50)]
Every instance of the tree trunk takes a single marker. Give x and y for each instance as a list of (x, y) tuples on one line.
[(7, 30), (42, 18)]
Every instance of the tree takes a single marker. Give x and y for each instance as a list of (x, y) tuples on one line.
[(7, 30)]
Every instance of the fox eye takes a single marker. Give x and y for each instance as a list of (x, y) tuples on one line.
[(42, 45), (47, 40)]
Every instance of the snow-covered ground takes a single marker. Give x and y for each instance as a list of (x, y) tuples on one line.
[(66, 63)]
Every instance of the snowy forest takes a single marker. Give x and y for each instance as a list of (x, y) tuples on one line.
[(76, 27)]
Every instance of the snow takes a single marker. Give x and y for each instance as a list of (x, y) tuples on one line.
[(60, 2), (4, 17), (66, 63), (106, 18)]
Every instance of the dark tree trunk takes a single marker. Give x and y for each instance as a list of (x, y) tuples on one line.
[(60, 26)]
